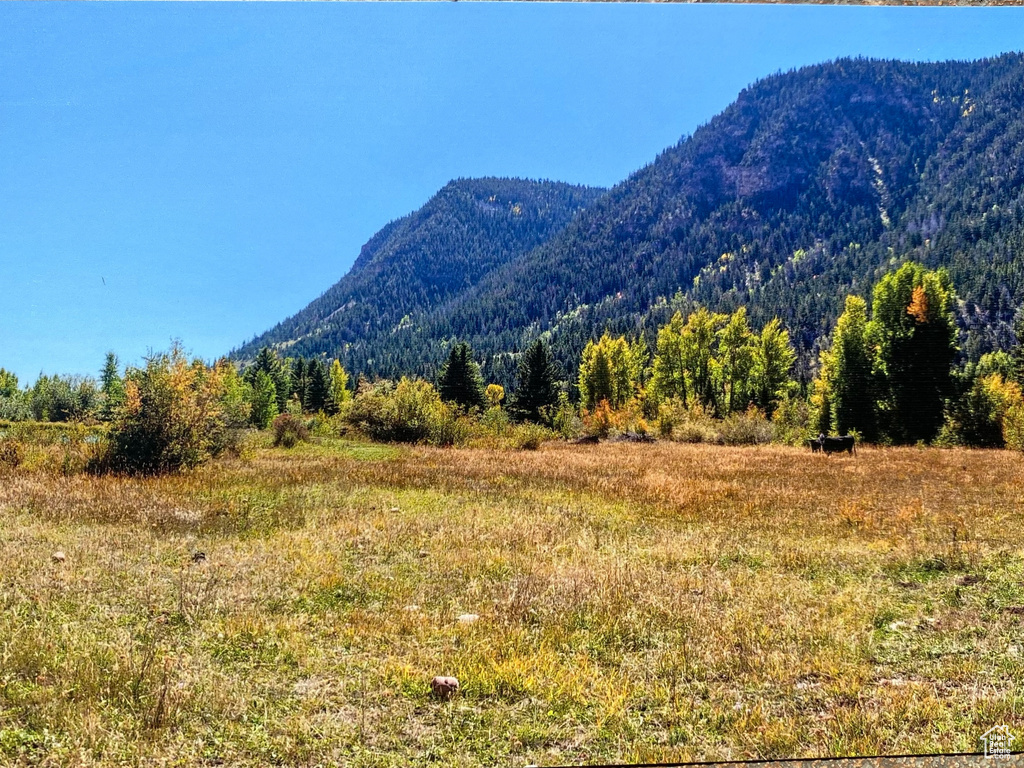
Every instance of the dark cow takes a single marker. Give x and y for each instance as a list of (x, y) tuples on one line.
[(839, 444), (832, 445)]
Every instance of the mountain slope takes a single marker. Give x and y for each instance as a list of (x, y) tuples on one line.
[(807, 188), (465, 231)]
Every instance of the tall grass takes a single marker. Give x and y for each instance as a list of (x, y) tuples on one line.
[(636, 602)]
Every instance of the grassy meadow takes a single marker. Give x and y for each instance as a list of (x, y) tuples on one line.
[(635, 603)]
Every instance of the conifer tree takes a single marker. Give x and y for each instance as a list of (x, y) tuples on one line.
[(318, 387), (1018, 349), (537, 387), (112, 387), (460, 381), (300, 382)]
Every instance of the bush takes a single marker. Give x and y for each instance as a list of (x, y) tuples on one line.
[(747, 428), (600, 421), (289, 431), (1013, 427), (528, 437), (408, 412), (11, 453), (173, 416)]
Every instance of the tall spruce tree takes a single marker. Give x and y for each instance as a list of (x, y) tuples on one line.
[(460, 381), (112, 386), (318, 387), (537, 389)]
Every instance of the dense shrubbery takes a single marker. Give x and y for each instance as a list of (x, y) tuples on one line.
[(289, 431), (176, 414), (410, 411)]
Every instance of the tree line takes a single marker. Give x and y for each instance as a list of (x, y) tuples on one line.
[(889, 374)]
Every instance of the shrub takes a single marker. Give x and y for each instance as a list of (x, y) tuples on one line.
[(408, 412), (600, 421), (11, 453), (747, 428), (172, 417), (791, 422), (1013, 427), (289, 431), (528, 436), (564, 419)]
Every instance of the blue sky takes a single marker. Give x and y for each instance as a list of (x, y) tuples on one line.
[(201, 171)]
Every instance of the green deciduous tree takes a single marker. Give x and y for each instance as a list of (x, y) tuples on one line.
[(773, 357), (264, 400), (913, 329), (698, 340), (848, 369), (339, 385), (735, 359), (669, 379), (612, 369)]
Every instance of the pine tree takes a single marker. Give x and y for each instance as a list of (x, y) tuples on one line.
[(318, 387), (1018, 350), (537, 389), (460, 381), (112, 387)]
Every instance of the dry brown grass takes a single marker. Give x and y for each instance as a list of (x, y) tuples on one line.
[(636, 602)]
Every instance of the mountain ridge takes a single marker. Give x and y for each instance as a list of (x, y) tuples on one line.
[(807, 187)]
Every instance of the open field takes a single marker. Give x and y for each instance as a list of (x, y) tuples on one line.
[(635, 602)]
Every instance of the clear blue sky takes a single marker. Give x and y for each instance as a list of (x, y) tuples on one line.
[(201, 171)]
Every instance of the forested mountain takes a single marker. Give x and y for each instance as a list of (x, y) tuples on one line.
[(807, 188), (416, 263)]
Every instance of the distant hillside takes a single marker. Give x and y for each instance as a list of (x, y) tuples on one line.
[(416, 263), (807, 188)]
